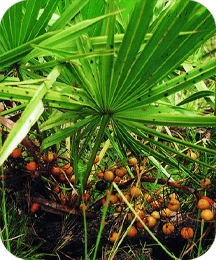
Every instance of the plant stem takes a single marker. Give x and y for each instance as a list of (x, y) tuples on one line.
[(104, 123)]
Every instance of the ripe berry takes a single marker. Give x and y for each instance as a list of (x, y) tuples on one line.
[(150, 221), (132, 231), (86, 197), (174, 196), (122, 171), (147, 197), (168, 228), (31, 166), (203, 204), (135, 192), (192, 155), (174, 205), (113, 199), (55, 170), (166, 212), (155, 204), (118, 208), (156, 214), (50, 157), (140, 213), (86, 207), (100, 174), (127, 197), (61, 177), (16, 153), (109, 176), (56, 189), (207, 215), (139, 224), (67, 169), (72, 179), (114, 237), (133, 161), (187, 232), (35, 207), (205, 183), (117, 179)]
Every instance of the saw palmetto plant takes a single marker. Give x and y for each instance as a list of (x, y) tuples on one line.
[(80, 70)]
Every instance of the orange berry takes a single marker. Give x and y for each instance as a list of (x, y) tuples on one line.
[(132, 231), (147, 197), (203, 204), (156, 214), (133, 161), (174, 205), (166, 212), (50, 157), (31, 166), (135, 192), (192, 155), (109, 176), (118, 208), (72, 179), (150, 221), (117, 179), (207, 215), (103, 202), (205, 183), (140, 213), (127, 197), (55, 170), (168, 228), (122, 171), (187, 232), (114, 237), (86, 197), (161, 198), (100, 174), (174, 196), (16, 153), (113, 199), (62, 177), (86, 207), (155, 204), (67, 169), (139, 224), (56, 189), (35, 207)]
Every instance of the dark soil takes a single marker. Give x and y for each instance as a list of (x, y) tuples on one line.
[(55, 230)]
